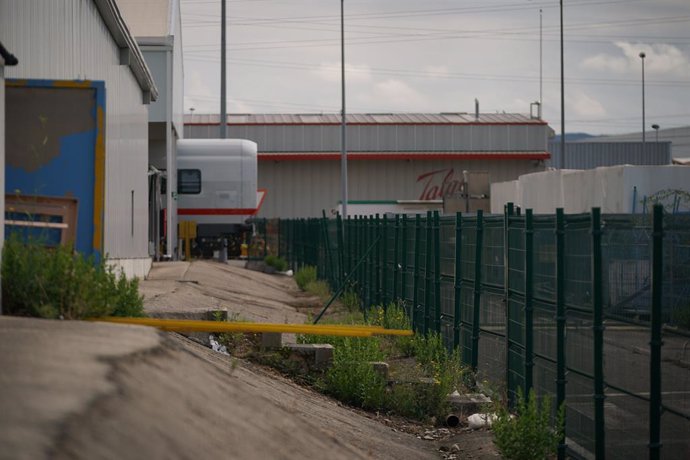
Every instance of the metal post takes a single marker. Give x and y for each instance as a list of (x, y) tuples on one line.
[(458, 280), (396, 258), (477, 288), (437, 270), (562, 165), (656, 340), (403, 257), (415, 279), (343, 122), (644, 124), (529, 300), (223, 88), (560, 322), (598, 333), (341, 248), (508, 212), (427, 274), (385, 270)]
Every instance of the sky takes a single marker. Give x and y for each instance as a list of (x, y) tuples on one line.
[(403, 56)]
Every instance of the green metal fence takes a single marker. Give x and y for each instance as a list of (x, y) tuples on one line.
[(590, 309)]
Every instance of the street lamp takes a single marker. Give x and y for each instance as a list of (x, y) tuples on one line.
[(642, 56), (343, 123), (655, 127)]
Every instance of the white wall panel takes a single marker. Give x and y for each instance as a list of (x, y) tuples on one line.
[(68, 40)]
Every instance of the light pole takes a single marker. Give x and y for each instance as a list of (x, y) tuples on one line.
[(343, 125), (644, 143), (562, 97), (223, 90), (655, 127)]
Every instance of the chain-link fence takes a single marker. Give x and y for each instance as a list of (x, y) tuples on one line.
[(591, 310)]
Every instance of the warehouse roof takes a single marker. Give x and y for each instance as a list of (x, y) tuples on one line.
[(367, 119)]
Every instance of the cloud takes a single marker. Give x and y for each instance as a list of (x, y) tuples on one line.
[(583, 105), (398, 95), (661, 59), (437, 70), (330, 71)]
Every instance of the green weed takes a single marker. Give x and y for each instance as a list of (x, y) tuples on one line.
[(276, 262), (57, 283), (304, 276), (530, 434)]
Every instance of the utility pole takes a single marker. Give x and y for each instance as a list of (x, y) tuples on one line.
[(223, 89), (343, 125)]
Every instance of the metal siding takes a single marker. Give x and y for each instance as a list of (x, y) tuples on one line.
[(387, 138), (304, 189), (178, 72), (424, 137), (158, 65), (586, 155), (68, 40), (368, 140), (443, 138)]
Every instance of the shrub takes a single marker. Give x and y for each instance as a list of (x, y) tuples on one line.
[(530, 434), (304, 276), (351, 300), (319, 288), (276, 262), (55, 282)]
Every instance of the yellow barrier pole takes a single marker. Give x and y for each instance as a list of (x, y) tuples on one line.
[(220, 326)]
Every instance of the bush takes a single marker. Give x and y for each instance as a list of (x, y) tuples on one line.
[(304, 276), (319, 288), (55, 282), (276, 262), (350, 300), (530, 434)]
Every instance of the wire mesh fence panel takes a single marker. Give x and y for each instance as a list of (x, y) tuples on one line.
[(492, 361), (469, 243), (466, 322), (544, 330), (675, 436), (448, 308), (578, 262), (407, 262), (544, 281), (676, 279), (516, 254), (447, 247), (627, 426), (626, 263), (545, 380), (675, 381), (579, 415), (493, 252)]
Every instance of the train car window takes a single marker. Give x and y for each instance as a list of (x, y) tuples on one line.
[(189, 181)]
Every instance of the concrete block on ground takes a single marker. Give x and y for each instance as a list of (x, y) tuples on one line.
[(468, 403), (319, 355), (381, 368), (271, 340)]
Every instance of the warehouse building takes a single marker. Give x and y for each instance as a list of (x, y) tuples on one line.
[(157, 28), (392, 158), (77, 126)]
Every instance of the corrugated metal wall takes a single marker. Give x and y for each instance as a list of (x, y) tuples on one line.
[(68, 40), (367, 138), (304, 188), (588, 155)]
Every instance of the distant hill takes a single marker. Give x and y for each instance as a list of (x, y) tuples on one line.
[(572, 137)]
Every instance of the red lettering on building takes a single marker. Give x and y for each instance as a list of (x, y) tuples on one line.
[(438, 184)]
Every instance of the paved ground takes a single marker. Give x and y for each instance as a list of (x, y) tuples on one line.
[(89, 390)]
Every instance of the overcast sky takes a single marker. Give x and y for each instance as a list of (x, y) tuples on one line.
[(439, 55)]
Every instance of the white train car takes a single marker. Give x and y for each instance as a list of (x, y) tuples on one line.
[(217, 189)]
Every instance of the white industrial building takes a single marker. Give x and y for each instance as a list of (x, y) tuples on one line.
[(616, 189), (157, 28), (392, 158), (70, 43), (678, 137)]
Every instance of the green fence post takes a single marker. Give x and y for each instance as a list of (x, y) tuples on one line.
[(457, 313), (598, 333), (477, 289), (437, 269), (377, 255), (656, 343), (385, 270), (340, 230), (529, 300), (366, 266), (560, 322), (396, 257), (428, 274), (415, 279), (403, 257), (508, 212)]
